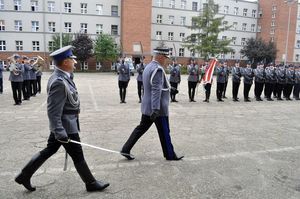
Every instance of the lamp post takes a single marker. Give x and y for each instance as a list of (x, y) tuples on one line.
[(289, 3)]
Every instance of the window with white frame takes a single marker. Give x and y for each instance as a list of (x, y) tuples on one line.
[(1, 4), (99, 9), (272, 31), (232, 55), (216, 8), (85, 65), (158, 35), (51, 6), (34, 26), (226, 9), (98, 65), (51, 46), (114, 30), (244, 27), (253, 13), (2, 45), (243, 41), (171, 19), (236, 11), (83, 27), (182, 21), (35, 46), (273, 23), (192, 53), (159, 3), (245, 12), (17, 5), (273, 15), (182, 36), (2, 25), (159, 19), (233, 40), (195, 6), (68, 7), (274, 8), (234, 25), (170, 36), (181, 52), (252, 27), (224, 23), (222, 56), (272, 39), (99, 28), (258, 28), (51, 26), (68, 27), (183, 4), (114, 11), (34, 5), (19, 45), (18, 25), (170, 51), (297, 57), (83, 8), (224, 38), (172, 4)]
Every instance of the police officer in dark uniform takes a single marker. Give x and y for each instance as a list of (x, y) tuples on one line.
[(16, 79), (206, 84), (290, 81), (221, 78), (248, 75), (193, 79), (226, 79), (270, 81), (259, 74), (63, 109), (26, 82), (32, 79), (175, 79), (124, 77), (155, 106), (236, 80), (140, 70), (1, 78), (281, 80), (297, 83)]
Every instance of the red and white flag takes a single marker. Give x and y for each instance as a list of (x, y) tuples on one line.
[(207, 78)]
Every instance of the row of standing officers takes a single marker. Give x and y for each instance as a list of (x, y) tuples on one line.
[(278, 80)]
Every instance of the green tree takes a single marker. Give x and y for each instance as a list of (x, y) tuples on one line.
[(83, 48), (105, 50), (258, 50), (205, 31), (66, 40)]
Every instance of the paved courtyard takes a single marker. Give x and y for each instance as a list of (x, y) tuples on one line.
[(232, 150)]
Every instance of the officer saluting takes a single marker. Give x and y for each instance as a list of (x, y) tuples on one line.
[(155, 106), (63, 109)]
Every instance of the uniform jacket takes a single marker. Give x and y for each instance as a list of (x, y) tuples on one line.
[(156, 90), (270, 75), (124, 72), (140, 70), (297, 77), (175, 76), (236, 74), (290, 76), (221, 74), (61, 109), (19, 77), (26, 74), (38, 73), (194, 73), (280, 75), (248, 75), (259, 74), (32, 75), (227, 73)]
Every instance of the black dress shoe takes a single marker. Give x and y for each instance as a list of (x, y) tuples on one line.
[(96, 186), (175, 100), (270, 99), (175, 157), (25, 181), (193, 100), (247, 100), (220, 100), (235, 100), (127, 155), (279, 99)]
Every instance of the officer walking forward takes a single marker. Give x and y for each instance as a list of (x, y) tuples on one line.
[(155, 106), (63, 109)]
